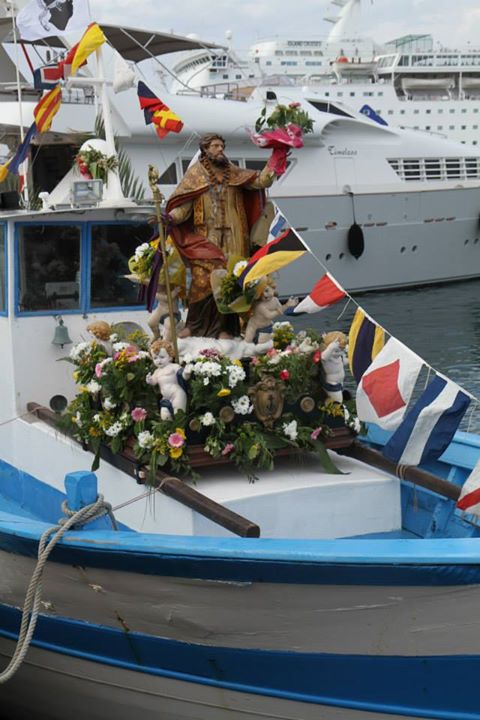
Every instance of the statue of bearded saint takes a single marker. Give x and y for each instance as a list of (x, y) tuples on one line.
[(211, 213), (55, 14)]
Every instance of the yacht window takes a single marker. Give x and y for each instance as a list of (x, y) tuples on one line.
[(3, 273), (475, 110), (185, 164), (471, 167), (428, 112), (439, 127), (390, 112), (49, 267), (328, 107), (411, 169), (169, 177), (451, 127), (433, 169), (415, 112), (112, 246), (453, 167), (402, 112), (440, 111), (464, 110), (452, 110)]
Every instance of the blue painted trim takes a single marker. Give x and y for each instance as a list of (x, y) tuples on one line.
[(85, 270), (4, 228), (442, 687), (31, 498), (419, 563)]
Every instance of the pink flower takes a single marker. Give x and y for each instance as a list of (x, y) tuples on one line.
[(228, 449), (210, 353), (176, 440), (138, 414), (98, 370), (294, 105), (316, 433), (272, 352), (284, 375), (317, 356), (254, 360)]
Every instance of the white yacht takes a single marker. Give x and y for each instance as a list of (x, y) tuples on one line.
[(409, 81), (413, 194)]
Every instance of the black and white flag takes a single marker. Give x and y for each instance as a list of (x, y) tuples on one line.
[(42, 18)]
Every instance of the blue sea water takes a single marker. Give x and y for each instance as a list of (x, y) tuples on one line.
[(439, 323)]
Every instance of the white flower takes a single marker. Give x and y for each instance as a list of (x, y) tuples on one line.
[(143, 354), (93, 387), (145, 439), (120, 346), (274, 359), (141, 250), (209, 368), (114, 429), (235, 375), (239, 267), (113, 337), (206, 381), (207, 419), (83, 348), (290, 429), (108, 404), (280, 325), (242, 406), (187, 358), (96, 418), (78, 419)]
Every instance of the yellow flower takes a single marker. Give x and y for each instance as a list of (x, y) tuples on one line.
[(181, 432), (175, 453), (224, 392), (83, 389), (75, 375), (237, 362)]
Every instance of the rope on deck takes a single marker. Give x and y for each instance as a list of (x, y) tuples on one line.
[(48, 540)]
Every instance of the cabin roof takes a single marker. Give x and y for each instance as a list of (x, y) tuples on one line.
[(132, 43)]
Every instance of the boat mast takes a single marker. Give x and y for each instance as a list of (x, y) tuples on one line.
[(346, 22), (10, 6)]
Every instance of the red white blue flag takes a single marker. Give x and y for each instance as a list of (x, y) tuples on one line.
[(430, 425)]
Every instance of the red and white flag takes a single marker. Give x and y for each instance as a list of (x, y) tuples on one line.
[(325, 293), (385, 389), (469, 500)]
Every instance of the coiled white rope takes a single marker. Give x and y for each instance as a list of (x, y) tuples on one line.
[(48, 540)]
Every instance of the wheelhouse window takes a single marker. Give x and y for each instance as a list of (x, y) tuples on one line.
[(49, 267), (112, 246), (3, 272)]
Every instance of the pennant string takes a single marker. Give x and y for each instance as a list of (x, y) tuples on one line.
[(351, 299)]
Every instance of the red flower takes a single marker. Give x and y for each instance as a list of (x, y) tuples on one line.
[(317, 356), (284, 375)]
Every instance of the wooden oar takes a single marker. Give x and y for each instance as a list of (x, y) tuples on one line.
[(171, 486), (404, 472)]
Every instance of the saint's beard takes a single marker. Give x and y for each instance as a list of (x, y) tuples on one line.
[(218, 161)]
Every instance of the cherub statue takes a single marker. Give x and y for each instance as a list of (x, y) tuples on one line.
[(170, 377), (233, 348), (102, 332), (333, 359), (264, 311), (159, 320)]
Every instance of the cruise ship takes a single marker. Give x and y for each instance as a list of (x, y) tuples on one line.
[(409, 82)]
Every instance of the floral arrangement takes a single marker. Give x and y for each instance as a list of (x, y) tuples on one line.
[(283, 116), (282, 130), (93, 164), (116, 407), (227, 291), (141, 263)]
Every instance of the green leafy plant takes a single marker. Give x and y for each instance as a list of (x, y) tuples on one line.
[(284, 115)]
